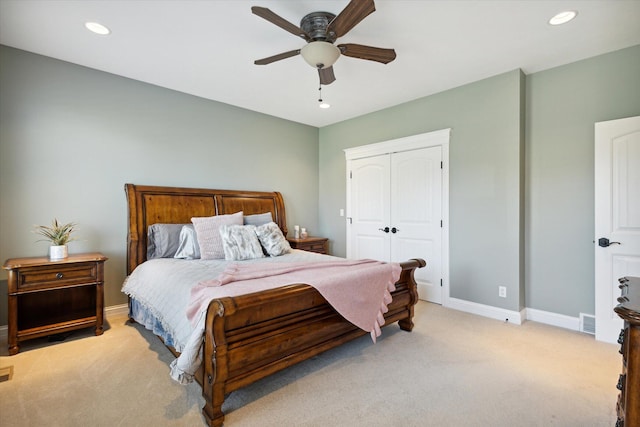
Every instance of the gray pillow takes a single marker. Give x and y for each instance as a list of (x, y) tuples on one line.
[(188, 247), (272, 239), (240, 242), (258, 219), (163, 240)]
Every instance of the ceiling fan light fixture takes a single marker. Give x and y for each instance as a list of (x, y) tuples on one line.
[(320, 54)]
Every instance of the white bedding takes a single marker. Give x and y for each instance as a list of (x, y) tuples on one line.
[(163, 287)]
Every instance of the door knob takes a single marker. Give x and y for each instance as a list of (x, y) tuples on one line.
[(603, 242), (395, 230), (386, 229)]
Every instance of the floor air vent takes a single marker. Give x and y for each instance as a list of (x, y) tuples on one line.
[(587, 324)]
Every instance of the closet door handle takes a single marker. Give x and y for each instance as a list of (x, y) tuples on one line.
[(386, 229), (603, 242), (395, 230)]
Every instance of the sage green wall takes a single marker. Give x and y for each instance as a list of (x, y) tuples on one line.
[(555, 111), (562, 106), (71, 137), (484, 182)]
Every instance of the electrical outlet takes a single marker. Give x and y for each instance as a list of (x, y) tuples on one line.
[(502, 291)]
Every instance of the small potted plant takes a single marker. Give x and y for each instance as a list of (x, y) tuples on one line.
[(59, 235)]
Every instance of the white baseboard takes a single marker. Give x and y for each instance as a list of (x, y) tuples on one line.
[(116, 311), (109, 312), (497, 313), (515, 317), (554, 319)]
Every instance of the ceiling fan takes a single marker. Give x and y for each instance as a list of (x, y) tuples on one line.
[(320, 30)]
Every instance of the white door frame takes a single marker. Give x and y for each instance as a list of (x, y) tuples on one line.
[(424, 140)]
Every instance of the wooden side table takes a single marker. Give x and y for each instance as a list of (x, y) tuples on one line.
[(50, 297), (311, 244)]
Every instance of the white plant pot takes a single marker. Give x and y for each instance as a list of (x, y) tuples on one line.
[(58, 252)]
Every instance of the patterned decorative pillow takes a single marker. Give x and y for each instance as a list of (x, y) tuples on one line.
[(272, 239), (258, 219), (188, 247), (208, 232), (240, 242)]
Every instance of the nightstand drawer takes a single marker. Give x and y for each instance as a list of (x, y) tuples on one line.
[(311, 244), (47, 277), (316, 247)]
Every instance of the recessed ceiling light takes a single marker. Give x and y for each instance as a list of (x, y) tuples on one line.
[(563, 17), (97, 28)]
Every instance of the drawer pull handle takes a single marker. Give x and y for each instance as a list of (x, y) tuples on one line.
[(620, 384), (621, 341), (59, 276)]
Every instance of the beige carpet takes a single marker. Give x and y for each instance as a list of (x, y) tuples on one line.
[(454, 369)]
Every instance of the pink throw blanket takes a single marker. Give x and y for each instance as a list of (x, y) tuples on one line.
[(359, 290)]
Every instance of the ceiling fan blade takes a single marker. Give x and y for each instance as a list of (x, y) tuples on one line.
[(267, 14), (367, 52), (350, 16), (278, 57), (326, 75)]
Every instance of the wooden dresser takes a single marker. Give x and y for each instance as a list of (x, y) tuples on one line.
[(51, 297), (628, 407)]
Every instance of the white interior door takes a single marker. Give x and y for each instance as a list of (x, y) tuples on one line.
[(617, 217), (416, 215), (369, 210)]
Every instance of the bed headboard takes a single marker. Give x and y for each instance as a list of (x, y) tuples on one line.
[(147, 205)]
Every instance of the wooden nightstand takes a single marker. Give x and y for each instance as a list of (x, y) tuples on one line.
[(311, 244), (50, 297)]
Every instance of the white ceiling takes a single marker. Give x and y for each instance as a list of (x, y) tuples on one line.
[(207, 48)]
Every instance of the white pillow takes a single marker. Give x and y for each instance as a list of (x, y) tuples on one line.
[(188, 247), (272, 239), (240, 242), (208, 232)]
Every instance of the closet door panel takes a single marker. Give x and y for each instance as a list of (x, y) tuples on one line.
[(416, 213), (370, 208)]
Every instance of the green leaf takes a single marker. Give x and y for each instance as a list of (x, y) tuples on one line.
[(58, 234)]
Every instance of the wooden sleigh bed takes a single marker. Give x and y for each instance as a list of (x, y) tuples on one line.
[(251, 336)]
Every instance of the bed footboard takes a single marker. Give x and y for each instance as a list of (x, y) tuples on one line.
[(252, 336)]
